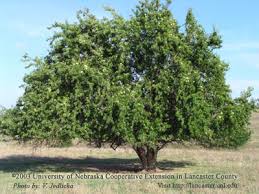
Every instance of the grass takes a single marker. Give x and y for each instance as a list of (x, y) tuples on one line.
[(17, 160)]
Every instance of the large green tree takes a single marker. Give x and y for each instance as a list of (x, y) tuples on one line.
[(144, 81)]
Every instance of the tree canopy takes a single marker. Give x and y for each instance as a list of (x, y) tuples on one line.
[(145, 81)]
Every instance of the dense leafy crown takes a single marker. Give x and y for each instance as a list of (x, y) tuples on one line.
[(145, 80)]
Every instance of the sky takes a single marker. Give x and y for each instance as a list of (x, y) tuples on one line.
[(23, 29)]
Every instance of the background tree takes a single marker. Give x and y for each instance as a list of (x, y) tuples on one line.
[(142, 81)]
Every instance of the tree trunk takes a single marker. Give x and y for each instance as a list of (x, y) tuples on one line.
[(147, 156)]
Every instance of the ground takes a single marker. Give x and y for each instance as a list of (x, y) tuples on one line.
[(23, 165)]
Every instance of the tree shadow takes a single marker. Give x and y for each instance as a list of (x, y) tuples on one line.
[(21, 163)]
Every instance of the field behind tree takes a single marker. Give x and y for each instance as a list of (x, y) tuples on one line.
[(18, 160)]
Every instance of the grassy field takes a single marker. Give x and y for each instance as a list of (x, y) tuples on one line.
[(25, 166)]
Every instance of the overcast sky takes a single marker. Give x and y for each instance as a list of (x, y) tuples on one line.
[(23, 29)]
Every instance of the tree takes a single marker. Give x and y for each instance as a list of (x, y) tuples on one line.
[(143, 81)]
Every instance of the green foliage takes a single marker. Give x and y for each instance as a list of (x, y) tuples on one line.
[(231, 125), (139, 81), (6, 121)]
